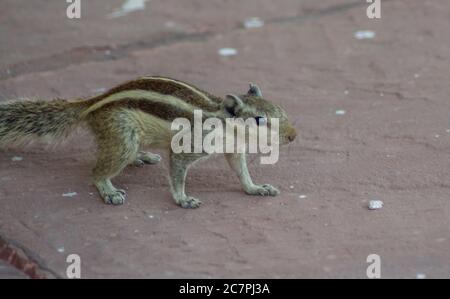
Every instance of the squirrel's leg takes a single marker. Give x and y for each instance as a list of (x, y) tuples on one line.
[(118, 144), (146, 158), (239, 164), (179, 164)]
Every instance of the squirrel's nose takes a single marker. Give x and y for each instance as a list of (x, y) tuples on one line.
[(292, 134)]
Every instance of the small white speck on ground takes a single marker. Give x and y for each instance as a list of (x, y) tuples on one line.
[(125, 217), (90, 193), (8, 71), (70, 194), (151, 216), (228, 52), (61, 249), (346, 92), (437, 136), (421, 276), (448, 130), (340, 112), (16, 159), (364, 34), (381, 94), (136, 231), (291, 187), (416, 76), (170, 24), (254, 22), (375, 204), (302, 196)]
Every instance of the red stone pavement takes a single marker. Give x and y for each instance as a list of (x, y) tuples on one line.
[(392, 144)]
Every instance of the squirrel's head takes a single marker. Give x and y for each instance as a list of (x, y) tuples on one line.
[(253, 105)]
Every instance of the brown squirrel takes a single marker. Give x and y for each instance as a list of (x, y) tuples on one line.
[(135, 114)]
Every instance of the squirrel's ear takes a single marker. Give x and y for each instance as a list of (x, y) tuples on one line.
[(232, 104), (254, 90)]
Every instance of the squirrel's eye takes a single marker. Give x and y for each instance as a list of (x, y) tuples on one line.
[(260, 120)]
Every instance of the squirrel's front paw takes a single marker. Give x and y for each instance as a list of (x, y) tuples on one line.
[(263, 190), (189, 203), (116, 197)]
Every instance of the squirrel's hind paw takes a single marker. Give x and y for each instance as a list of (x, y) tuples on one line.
[(110, 194), (190, 203), (116, 197), (263, 190), (146, 158)]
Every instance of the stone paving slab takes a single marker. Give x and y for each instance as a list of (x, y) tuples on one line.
[(389, 141)]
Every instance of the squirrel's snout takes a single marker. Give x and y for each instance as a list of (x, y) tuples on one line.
[(292, 133), (292, 137)]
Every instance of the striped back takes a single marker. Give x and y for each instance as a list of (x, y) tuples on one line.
[(163, 97)]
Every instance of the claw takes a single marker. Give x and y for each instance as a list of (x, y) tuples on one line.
[(121, 191), (115, 198), (190, 203), (138, 163), (264, 190)]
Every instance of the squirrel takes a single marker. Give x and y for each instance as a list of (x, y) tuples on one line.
[(139, 113)]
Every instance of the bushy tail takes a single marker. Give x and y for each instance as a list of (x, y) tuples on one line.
[(22, 121)]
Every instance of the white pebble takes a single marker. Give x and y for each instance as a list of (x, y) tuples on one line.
[(16, 159), (70, 194), (302, 196), (291, 186), (61, 249), (346, 92), (421, 276), (253, 23), (227, 52), (375, 204), (341, 112), (151, 216), (364, 34)]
